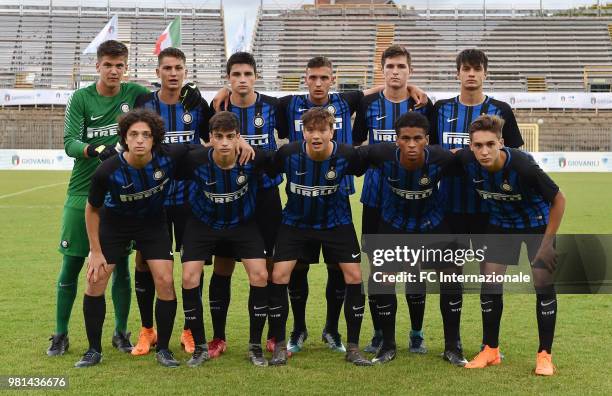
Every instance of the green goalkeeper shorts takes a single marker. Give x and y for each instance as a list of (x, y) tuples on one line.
[(73, 241)]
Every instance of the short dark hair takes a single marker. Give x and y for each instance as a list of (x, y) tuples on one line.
[(241, 58), (489, 123), (318, 116), (171, 52), (393, 51), (224, 121), (152, 119), (319, 61), (472, 57), (111, 48), (412, 119)]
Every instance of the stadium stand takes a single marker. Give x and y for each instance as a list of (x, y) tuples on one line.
[(528, 51), (41, 46)]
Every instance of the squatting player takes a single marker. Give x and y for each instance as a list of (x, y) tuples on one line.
[(90, 125), (125, 204), (525, 205), (410, 170), (185, 126), (223, 206), (375, 121), (316, 212), (465, 211)]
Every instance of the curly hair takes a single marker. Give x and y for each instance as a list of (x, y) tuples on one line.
[(152, 119), (318, 117)]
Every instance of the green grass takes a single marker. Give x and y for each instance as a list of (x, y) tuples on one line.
[(30, 263)]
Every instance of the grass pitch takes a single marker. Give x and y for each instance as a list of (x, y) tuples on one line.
[(30, 209)]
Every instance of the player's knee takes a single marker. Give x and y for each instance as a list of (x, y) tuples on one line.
[(280, 277), (258, 277), (352, 275), (191, 279)]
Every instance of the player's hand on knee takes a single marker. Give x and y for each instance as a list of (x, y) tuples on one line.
[(546, 254), (97, 267)]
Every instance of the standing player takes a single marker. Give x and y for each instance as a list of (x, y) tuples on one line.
[(125, 204), (317, 212), (223, 205), (525, 205), (182, 126), (90, 125), (258, 117), (465, 212), (376, 120)]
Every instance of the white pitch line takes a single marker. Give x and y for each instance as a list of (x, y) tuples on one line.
[(31, 189)]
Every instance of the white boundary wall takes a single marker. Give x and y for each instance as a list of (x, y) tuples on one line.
[(550, 162), (517, 100)]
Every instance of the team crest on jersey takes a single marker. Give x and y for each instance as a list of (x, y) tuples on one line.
[(65, 244), (258, 121), (158, 174), (331, 174), (331, 109), (187, 118), (506, 187), (424, 181), (124, 107), (241, 179)]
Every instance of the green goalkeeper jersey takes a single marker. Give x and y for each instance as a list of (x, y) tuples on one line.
[(91, 119)]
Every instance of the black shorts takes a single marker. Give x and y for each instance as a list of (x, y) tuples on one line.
[(312, 251), (201, 240), (176, 217), (503, 245), (370, 220), (118, 232), (465, 224), (268, 216), (340, 244)]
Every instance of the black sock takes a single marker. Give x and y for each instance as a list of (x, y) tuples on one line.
[(372, 304), (200, 290), (298, 294), (278, 310), (269, 335), (451, 302), (145, 294), (546, 312), (334, 295), (94, 311), (416, 309), (258, 312), (492, 307), (194, 317), (165, 312), (354, 307), (219, 292), (386, 307)]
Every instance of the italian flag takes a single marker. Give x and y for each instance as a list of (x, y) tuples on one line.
[(171, 37)]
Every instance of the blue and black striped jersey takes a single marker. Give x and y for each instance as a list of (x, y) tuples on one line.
[(133, 192), (376, 122), (313, 196), (181, 127), (257, 125), (450, 123), (342, 105), (222, 198), (410, 198), (518, 196)]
